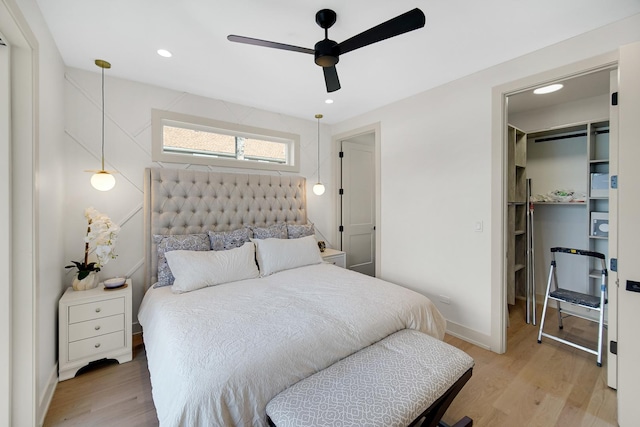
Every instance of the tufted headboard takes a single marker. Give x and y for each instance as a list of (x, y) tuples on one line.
[(181, 201)]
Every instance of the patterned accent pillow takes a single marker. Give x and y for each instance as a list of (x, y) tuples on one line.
[(225, 240), (173, 242), (295, 231), (275, 231)]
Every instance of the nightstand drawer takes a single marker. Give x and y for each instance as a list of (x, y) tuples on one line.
[(96, 327), (93, 346), (335, 260), (95, 310)]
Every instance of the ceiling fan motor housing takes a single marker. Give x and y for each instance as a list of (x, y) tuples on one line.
[(326, 53)]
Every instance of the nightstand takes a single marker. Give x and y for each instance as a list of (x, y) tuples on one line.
[(335, 257), (93, 325)]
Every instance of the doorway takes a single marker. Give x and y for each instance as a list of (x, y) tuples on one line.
[(564, 149), (358, 204), (357, 194)]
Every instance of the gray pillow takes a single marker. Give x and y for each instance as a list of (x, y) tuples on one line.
[(295, 231), (225, 240), (275, 231), (174, 242)]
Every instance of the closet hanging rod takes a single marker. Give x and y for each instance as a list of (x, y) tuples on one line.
[(573, 135)]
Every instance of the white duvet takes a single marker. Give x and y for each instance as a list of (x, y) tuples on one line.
[(218, 355)]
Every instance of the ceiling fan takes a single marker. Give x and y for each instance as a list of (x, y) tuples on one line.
[(327, 52)]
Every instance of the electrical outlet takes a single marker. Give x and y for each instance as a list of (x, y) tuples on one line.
[(445, 299)]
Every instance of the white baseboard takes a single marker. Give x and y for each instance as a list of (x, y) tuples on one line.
[(136, 328), (469, 335), (47, 395)]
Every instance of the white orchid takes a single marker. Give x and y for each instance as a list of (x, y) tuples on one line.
[(102, 233)]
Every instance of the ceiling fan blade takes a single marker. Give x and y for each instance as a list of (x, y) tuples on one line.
[(401, 24), (331, 78), (265, 43)]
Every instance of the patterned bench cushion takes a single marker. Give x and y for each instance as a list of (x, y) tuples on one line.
[(389, 383)]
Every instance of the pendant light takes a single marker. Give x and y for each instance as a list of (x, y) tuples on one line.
[(318, 189), (103, 180)]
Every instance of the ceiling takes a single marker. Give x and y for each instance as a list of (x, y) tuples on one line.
[(460, 38), (579, 87)]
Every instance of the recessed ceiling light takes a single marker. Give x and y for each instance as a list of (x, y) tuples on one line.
[(328, 101), (165, 53), (548, 89)]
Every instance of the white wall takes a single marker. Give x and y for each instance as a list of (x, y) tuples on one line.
[(128, 107), (5, 229), (37, 112), (589, 109), (51, 212), (437, 169)]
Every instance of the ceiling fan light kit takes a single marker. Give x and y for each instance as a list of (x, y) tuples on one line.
[(327, 52)]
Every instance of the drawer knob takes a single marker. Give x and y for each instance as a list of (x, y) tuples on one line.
[(97, 328), (97, 345), (98, 310)]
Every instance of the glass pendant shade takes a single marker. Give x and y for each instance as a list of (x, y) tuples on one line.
[(103, 181), (318, 189)]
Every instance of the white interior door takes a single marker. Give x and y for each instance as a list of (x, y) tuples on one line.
[(358, 203), (628, 235)]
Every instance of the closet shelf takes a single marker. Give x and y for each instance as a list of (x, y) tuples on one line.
[(560, 203), (591, 236)]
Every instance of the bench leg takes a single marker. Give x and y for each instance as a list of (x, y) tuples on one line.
[(464, 422), (433, 415)]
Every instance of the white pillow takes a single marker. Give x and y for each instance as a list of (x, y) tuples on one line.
[(198, 269), (275, 255)]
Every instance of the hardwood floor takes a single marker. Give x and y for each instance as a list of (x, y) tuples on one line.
[(107, 395), (548, 384), (533, 384)]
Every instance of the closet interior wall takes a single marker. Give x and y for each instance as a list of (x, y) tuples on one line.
[(562, 164)]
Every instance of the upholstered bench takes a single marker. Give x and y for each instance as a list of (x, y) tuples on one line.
[(408, 378)]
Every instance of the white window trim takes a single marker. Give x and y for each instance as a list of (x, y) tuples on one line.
[(160, 118)]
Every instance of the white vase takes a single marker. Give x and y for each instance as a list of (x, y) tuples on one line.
[(89, 282)]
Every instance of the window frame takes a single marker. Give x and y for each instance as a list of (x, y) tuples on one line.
[(161, 118)]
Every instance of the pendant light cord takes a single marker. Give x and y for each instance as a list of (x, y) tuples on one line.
[(318, 116), (102, 119), (318, 150)]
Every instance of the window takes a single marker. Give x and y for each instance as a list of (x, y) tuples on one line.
[(179, 138)]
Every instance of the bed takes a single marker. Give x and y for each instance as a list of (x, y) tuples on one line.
[(218, 354)]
